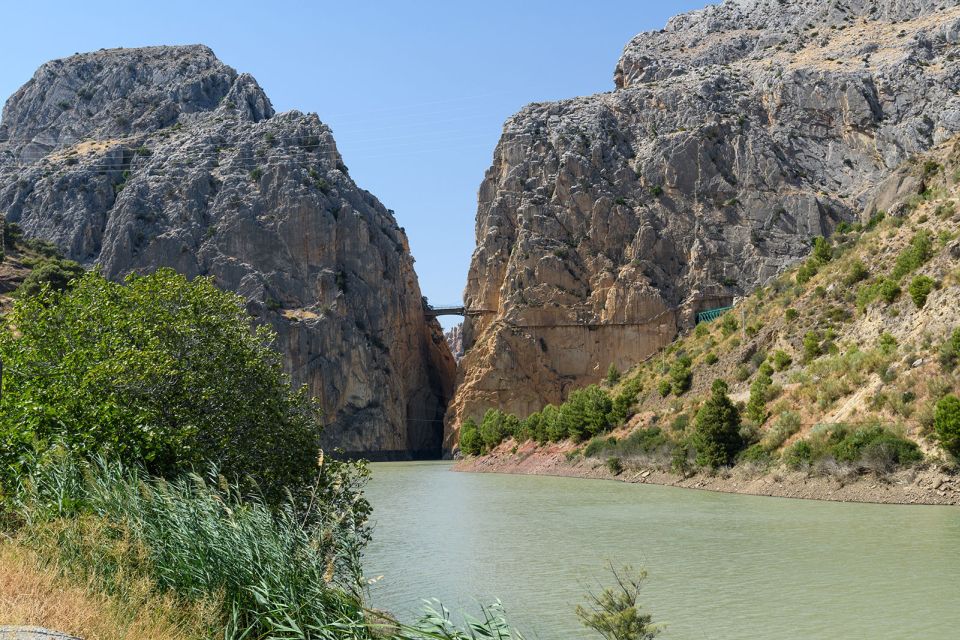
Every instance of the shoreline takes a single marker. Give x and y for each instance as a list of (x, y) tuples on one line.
[(928, 486)]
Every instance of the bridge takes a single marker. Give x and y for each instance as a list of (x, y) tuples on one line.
[(434, 310), (711, 314)]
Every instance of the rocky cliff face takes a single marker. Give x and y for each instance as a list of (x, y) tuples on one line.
[(136, 159), (454, 338), (735, 135)]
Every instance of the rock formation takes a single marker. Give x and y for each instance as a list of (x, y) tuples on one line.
[(164, 156), (455, 341), (734, 136)]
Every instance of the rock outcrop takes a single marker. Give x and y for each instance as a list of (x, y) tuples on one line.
[(454, 338), (141, 158), (734, 136)]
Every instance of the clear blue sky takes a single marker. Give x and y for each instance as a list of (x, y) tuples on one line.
[(416, 92)]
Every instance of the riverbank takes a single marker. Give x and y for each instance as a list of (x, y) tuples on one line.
[(918, 485)]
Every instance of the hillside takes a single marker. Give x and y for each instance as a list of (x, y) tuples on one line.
[(136, 159), (735, 135), (862, 338)]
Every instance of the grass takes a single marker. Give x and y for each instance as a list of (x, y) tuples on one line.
[(35, 592)]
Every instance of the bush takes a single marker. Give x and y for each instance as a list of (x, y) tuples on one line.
[(160, 371), (710, 359), (614, 465), (857, 272), (54, 273), (613, 374), (807, 270), (496, 427), (920, 288), (887, 344), (728, 324), (717, 429), (888, 290), (791, 314), (681, 376), (919, 251), (800, 453), (615, 614), (811, 346), (664, 387), (781, 360), (470, 442), (822, 252), (950, 351), (787, 424), (946, 423), (873, 442), (755, 454)]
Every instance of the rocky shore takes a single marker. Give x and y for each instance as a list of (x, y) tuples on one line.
[(919, 485)]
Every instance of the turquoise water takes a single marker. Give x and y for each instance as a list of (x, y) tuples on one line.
[(719, 565)]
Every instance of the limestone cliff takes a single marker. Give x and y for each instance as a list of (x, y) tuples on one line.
[(164, 156), (734, 136)]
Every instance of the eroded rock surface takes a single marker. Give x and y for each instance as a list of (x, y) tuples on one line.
[(141, 158), (735, 135)]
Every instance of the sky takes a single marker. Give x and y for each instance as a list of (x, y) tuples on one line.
[(416, 92)]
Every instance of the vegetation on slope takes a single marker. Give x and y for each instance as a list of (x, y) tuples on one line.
[(846, 362)]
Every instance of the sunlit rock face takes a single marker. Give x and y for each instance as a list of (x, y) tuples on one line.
[(133, 159), (734, 136)]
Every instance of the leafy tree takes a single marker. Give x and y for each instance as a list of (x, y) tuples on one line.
[(159, 371), (554, 427), (946, 422), (496, 427), (920, 288), (470, 442), (716, 434), (615, 613)]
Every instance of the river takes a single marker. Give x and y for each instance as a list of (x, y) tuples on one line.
[(720, 566)]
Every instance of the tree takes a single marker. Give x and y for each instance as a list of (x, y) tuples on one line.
[(55, 273), (716, 434), (158, 371), (822, 252), (946, 422), (757, 405), (615, 614), (586, 412)]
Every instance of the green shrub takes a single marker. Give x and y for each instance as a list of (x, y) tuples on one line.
[(681, 375), (160, 371), (950, 351), (791, 314), (811, 346), (597, 445), (615, 613), (496, 427), (914, 256), (728, 324), (857, 272), (664, 387), (800, 453), (807, 270), (717, 429), (755, 454), (920, 288), (787, 424), (710, 359), (873, 442), (946, 423), (781, 360), (54, 273), (701, 330), (888, 290), (822, 252), (887, 344), (613, 374), (470, 442)]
